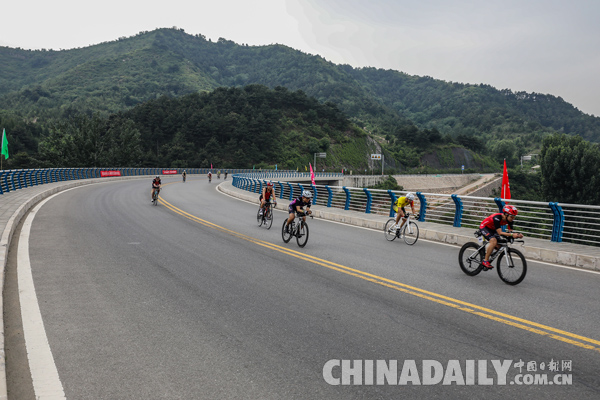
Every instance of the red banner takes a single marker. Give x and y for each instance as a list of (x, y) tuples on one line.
[(110, 173), (169, 171), (505, 191)]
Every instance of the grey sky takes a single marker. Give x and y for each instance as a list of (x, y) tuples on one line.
[(544, 46)]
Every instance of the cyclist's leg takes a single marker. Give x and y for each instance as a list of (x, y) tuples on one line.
[(291, 216), (492, 239), (401, 213)]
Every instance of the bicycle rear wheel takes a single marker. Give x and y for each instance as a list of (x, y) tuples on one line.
[(470, 258), (259, 217), (269, 216), (286, 236), (389, 232), (512, 269), (410, 233), (302, 234)]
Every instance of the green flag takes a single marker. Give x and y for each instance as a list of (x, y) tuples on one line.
[(4, 144)]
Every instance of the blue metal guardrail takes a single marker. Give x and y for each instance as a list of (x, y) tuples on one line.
[(553, 221), (11, 180)]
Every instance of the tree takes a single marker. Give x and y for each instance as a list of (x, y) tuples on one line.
[(570, 170)]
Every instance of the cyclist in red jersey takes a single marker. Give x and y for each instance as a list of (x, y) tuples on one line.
[(156, 184), (267, 192), (491, 229)]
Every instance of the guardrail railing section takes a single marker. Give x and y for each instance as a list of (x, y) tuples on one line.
[(580, 224)]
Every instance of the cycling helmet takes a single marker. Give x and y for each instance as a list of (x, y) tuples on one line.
[(307, 194), (510, 210), (410, 196), (269, 183), (157, 176)]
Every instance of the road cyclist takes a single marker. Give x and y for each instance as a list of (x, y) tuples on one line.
[(156, 185), (299, 230)]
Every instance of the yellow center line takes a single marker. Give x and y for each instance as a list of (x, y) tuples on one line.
[(474, 309)]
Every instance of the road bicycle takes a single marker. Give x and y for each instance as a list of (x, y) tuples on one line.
[(511, 264), (409, 232), (155, 197), (297, 229), (266, 216)]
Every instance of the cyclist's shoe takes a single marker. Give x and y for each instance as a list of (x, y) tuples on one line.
[(487, 265)]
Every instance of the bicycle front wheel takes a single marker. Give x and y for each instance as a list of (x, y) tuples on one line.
[(410, 233), (512, 269), (259, 217), (388, 230), (470, 258), (269, 216), (302, 234), (286, 236)]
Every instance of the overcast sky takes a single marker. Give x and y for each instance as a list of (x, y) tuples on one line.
[(543, 46)]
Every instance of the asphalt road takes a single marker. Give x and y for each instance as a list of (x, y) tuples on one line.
[(191, 300)]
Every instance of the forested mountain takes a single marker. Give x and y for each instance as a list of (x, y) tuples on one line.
[(412, 117), (227, 128)]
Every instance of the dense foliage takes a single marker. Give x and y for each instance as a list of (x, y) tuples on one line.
[(570, 170), (227, 128)]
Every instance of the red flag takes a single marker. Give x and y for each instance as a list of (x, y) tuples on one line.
[(210, 165), (505, 191), (312, 174)]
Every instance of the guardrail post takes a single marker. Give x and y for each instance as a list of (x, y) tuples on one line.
[(260, 187), (559, 222), (459, 210), (1, 183), (423, 207), (347, 205), (369, 201), (330, 195), (301, 188), (393, 197), (280, 190), (291, 191), (12, 180), (314, 188)]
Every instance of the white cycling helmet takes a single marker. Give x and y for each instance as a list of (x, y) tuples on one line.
[(307, 194), (410, 196)]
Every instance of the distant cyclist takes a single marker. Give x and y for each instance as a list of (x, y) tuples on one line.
[(225, 175), (298, 206), (209, 176), (491, 229), (184, 175), (156, 182), (267, 194), (399, 204)]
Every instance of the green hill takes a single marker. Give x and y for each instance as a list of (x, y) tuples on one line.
[(412, 117)]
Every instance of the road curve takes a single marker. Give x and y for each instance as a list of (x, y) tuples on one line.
[(190, 299)]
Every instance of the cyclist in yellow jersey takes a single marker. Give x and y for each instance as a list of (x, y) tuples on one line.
[(399, 205)]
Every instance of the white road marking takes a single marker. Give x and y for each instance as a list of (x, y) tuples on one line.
[(46, 382)]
